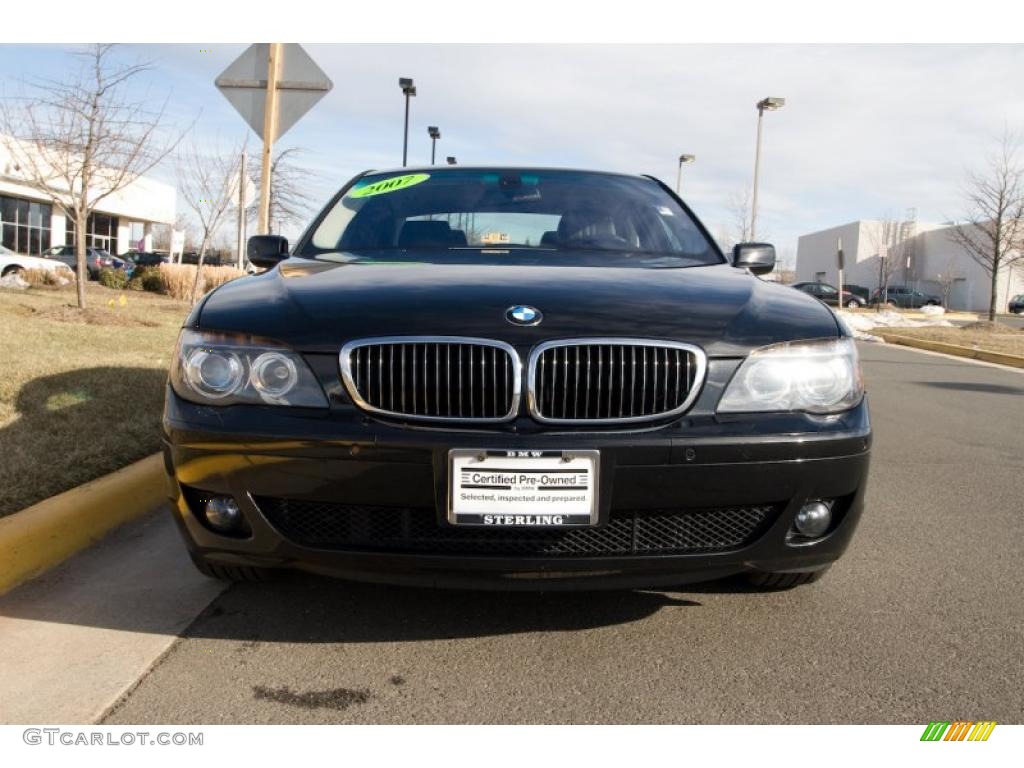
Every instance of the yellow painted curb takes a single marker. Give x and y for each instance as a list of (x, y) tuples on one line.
[(45, 534), (1000, 358)]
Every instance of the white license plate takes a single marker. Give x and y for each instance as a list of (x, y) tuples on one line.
[(531, 489)]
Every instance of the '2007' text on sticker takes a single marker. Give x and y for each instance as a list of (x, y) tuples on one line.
[(392, 184)]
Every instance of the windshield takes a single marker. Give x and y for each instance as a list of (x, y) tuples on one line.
[(542, 216)]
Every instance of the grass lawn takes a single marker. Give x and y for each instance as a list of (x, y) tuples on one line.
[(80, 396), (983, 335)]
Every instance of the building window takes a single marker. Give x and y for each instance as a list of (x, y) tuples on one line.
[(101, 231), (24, 225)]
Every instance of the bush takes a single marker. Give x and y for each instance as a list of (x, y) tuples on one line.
[(147, 279), (178, 279), (113, 278)]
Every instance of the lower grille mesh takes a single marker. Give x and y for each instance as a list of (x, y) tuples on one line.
[(416, 531)]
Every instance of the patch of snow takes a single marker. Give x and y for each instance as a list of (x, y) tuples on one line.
[(865, 321), (933, 311), (14, 281)]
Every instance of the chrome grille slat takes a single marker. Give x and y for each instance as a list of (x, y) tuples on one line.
[(402, 376), (608, 381)]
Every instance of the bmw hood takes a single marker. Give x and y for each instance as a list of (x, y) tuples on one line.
[(316, 306)]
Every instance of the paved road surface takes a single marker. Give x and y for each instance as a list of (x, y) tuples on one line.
[(921, 620)]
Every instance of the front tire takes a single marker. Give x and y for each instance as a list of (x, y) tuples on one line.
[(853, 304), (14, 269), (236, 574), (770, 581)]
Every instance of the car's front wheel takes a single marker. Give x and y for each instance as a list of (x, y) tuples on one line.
[(771, 580), (853, 304), (233, 573), (14, 269)]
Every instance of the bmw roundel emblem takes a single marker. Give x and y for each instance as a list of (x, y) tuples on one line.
[(521, 314)]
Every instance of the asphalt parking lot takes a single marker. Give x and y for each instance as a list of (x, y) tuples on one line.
[(921, 619)]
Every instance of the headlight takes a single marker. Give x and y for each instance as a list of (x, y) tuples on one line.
[(814, 376), (216, 369)]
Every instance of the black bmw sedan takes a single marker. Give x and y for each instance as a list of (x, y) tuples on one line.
[(523, 378)]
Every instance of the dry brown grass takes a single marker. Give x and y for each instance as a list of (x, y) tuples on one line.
[(993, 337), (45, 278), (81, 395), (179, 278)]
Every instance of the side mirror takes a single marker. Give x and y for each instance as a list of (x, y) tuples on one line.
[(267, 250), (759, 258)]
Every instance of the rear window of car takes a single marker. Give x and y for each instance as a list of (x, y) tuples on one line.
[(537, 215)]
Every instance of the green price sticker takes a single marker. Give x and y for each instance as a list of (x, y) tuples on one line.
[(394, 184)]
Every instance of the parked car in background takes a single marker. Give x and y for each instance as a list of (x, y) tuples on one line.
[(859, 291), (147, 259), (902, 296), (95, 259), (1017, 304), (12, 263), (830, 295)]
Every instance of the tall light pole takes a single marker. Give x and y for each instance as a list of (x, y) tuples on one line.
[(769, 104), (409, 89), (451, 160), (683, 159), (435, 133)]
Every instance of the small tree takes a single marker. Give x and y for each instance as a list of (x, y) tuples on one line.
[(290, 200), (888, 241), (81, 139), (209, 186), (992, 229), (947, 279)]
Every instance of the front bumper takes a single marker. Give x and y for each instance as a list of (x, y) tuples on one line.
[(253, 453)]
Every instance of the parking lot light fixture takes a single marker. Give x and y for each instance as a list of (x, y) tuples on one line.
[(683, 159), (435, 133), (409, 89), (451, 160), (769, 104)]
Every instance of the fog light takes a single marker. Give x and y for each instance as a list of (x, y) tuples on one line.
[(813, 519), (222, 513)]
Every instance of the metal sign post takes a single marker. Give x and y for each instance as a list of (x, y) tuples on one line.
[(242, 183), (839, 263), (269, 134), (272, 85)]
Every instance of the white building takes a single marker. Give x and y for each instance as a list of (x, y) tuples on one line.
[(30, 223), (919, 255)]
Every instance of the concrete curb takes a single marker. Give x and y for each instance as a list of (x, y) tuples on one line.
[(999, 358), (45, 534)]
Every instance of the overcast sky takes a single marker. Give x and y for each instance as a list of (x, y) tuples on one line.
[(866, 130)]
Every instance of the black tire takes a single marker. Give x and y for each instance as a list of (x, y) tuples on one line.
[(770, 581), (244, 574), (853, 304), (13, 269)]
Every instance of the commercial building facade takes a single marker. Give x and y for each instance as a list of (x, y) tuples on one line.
[(31, 224), (920, 255)]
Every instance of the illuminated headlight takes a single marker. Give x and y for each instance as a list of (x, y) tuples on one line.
[(216, 369), (814, 376)]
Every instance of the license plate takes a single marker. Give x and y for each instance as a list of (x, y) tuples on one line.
[(527, 489)]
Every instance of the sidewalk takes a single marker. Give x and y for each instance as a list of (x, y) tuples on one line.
[(73, 641)]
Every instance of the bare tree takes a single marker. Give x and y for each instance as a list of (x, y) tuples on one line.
[(992, 230), (81, 139), (209, 186), (740, 208), (290, 200), (889, 240), (947, 279)]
